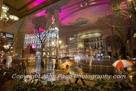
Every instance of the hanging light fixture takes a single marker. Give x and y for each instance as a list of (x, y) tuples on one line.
[(4, 17), (13, 17)]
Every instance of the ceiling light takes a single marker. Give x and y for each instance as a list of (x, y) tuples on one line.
[(4, 8), (4, 17), (13, 17)]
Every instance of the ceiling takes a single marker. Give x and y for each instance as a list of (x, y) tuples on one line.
[(75, 16), (21, 8)]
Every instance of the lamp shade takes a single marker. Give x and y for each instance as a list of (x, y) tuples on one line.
[(13, 17)]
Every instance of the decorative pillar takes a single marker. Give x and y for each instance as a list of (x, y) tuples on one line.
[(53, 11), (56, 16), (19, 38), (49, 19), (1, 3)]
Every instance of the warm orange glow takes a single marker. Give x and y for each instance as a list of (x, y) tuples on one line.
[(130, 0)]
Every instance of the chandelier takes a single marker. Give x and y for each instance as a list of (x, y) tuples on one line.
[(4, 17)]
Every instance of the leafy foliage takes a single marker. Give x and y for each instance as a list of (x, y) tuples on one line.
[(100, 85), (6, 74)]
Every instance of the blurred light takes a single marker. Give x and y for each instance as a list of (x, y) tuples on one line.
[(101, 54), (90, 35), (4, 36), (13, 17), (130, 0), (53, 43), (135, 35), (60, 41), (80, 45), (71, 38), (131, 77), (33, 45), (6, 46), (4, 8), (129, 68)]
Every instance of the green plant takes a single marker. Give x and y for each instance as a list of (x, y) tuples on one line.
[(6, 74), (100, 85)]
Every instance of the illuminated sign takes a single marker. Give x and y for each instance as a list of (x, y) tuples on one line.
[(1, 34), (9, 35)]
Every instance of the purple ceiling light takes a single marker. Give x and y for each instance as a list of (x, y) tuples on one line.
[(36, 3), (42, 13)]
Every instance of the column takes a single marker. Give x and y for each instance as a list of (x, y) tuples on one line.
[(1, 3), (19, 43), (56, 16), (19, 38), (54, 10), (120, 25), (49, 19)]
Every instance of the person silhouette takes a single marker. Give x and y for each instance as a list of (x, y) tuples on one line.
[(80, 72)]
